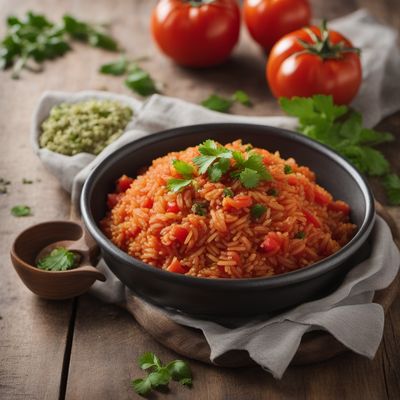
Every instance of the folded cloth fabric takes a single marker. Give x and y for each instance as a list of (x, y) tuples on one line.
[(348, 313), (379, 96)]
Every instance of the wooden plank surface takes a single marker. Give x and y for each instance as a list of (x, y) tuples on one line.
[(106, 340)]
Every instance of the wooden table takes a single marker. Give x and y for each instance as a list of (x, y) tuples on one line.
[(84, 349)]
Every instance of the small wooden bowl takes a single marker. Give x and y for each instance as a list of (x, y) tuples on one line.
[(39, 239)]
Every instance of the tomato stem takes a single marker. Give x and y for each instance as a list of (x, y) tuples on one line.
[(322, 46)]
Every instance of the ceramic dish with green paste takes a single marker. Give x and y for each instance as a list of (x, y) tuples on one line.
[(86, 126)]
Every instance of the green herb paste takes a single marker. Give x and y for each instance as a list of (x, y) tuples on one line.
[(88, 126)]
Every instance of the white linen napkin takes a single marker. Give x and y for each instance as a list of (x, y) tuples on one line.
[(348, 313)]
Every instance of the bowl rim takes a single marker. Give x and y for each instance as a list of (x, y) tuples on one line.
[(306, 273)]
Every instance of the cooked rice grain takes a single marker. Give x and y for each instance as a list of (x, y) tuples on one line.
[(227, 243)]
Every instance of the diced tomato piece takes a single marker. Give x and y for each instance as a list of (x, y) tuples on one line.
[(173, 207), (271, 243), (123, 183), (322, 197), (311, 218), (237, 202), (180, 233), (112, 200), (292, 180), (176, 267), (147, 202), (340, 206)]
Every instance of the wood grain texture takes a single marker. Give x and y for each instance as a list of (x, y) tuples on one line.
[(107, 341)]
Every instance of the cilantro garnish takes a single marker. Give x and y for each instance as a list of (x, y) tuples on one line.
[(251, 170), (228, 192), (213, 153), (175, 185), (257, 211), (21, 211), (140, 81), (116, 68), (217, 103), (242, 97), (160, 375), (186, 170), (272, 192), (60, 259), (342, 129), (300, 235), (222, 104), (200, 208), (35, 39), (215, 160), (287, 169), (183, 168)]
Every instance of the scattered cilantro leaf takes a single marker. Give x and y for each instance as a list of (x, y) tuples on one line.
[(140, 81), (183, 168), (287, 169), (272, 192), (59, 259), (214, 159), (141, 386), (257, 211), (200, 208), (242, 97), (217, 103), (21, 211), (342, 129), (222, 104), (175, 185), (249, 178), (180, 371), (88, 33), (34, 38), (116, 68), (300, 235), (228, 192), (160, 375), (391, 183), (149, 360), (26, 181)]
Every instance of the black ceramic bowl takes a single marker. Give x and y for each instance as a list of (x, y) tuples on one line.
[(225, 297)]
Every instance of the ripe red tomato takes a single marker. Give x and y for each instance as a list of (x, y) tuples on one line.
[(268, 20), (314, 61), (196, 33)]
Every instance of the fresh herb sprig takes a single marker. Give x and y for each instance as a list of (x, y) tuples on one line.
[(250, 171), (21, 211), (34, 38), (215, 161), (186, 171), (342, 129), (222, 104), (160, 375), (137, 79), (59, 259)]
